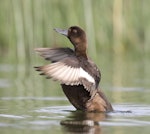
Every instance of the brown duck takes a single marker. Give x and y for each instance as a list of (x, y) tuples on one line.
[(78, 75)]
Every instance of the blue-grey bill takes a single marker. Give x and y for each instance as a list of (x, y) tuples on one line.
[(61, 31)]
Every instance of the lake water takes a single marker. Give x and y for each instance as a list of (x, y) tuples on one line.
[(31, 104)]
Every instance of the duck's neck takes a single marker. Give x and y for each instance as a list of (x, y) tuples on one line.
[(81, 50), (81, 55)]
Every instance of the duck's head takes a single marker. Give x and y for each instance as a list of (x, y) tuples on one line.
[(76, 35)]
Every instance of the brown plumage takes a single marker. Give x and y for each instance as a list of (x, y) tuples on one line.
[(78, 75)]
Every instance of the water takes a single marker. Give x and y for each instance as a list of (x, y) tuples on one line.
[(31, 104), (25, 114)]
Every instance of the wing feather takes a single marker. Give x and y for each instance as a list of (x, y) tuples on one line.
[(65, 68), (54, 54), (66, 74)]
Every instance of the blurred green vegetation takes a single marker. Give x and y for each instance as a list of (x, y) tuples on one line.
[(118, 36), (118, 26)]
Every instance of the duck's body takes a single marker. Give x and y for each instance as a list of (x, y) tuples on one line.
[(78, 75), (81, 99)]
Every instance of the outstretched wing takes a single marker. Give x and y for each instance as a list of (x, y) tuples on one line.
[(54, 54), (65, 68)]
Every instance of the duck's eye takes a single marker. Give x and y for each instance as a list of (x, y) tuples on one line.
[(74, 31)]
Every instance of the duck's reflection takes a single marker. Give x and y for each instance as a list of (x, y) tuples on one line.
[(83, 122)]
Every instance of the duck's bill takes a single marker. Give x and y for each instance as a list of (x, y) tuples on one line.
[(61, 31)]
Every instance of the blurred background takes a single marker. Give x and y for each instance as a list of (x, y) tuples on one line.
[(118, 33)]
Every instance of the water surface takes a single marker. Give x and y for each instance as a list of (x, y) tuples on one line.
[(38, 115)]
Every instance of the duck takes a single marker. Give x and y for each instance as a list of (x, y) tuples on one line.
[(77, 74)]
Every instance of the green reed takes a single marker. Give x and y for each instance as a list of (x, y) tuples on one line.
[(117, 26)]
